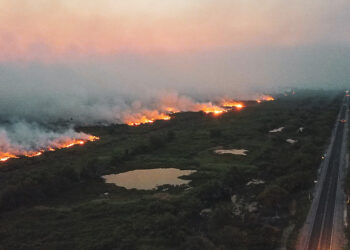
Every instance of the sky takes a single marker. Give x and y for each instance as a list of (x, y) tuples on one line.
[(66, 29), (88, 58)]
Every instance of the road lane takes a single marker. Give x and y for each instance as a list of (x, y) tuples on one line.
[(321, 234)]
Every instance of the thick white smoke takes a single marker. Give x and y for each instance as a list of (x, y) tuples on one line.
[(23, 138), (50, 94)]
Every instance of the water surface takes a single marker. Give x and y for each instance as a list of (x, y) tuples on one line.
[(147, 179), (231, 151)]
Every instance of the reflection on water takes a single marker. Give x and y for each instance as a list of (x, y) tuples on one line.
[(148, 179)]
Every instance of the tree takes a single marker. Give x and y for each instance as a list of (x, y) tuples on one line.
[(170, 135), (198, 243), (157, 141), (272, 196), (214, 133)]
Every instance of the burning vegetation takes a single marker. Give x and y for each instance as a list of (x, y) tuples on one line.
[(6, 156), (182, 105), (168, 106), (210, 108), (148, 116), (232, 104), (57, 144), (265, 98)]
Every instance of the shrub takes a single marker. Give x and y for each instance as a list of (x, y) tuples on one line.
[(156, 141), (272, 196), (215, 133)]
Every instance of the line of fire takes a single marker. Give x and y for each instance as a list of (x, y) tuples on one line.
[(138, 119)]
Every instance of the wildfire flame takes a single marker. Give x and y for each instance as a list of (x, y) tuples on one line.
[(34, 154), (266, 98), (4, 156), (150, 116), (232, 104), (209, 108), (168, 105), (139, 119), (213, 110), (172, 110)]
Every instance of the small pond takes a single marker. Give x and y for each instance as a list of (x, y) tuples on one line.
[(147, 179), (231, 151)]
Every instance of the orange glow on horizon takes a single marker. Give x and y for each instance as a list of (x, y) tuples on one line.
[(57, 29)]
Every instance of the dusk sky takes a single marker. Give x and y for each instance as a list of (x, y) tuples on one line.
[(86, 51), (67, 30)]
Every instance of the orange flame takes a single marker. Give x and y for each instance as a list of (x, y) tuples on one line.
[(266, 98), (77, 142), (233, 104), (172, 110), (212, 109), (150, 116), (6, 156), (137, 119), (34, 154)]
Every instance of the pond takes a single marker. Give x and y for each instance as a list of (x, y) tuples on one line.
[(147, 179), (276, 130), (231, 151)]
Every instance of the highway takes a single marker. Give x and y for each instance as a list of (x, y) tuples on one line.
[(319, 231)]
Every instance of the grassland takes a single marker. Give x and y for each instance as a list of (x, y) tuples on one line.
[(56, 201)]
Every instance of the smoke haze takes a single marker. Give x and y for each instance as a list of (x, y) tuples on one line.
[(102, 62), (107, 90), (22, 138)]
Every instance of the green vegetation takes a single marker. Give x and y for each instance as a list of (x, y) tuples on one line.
[(56, 201), (347, 192)]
